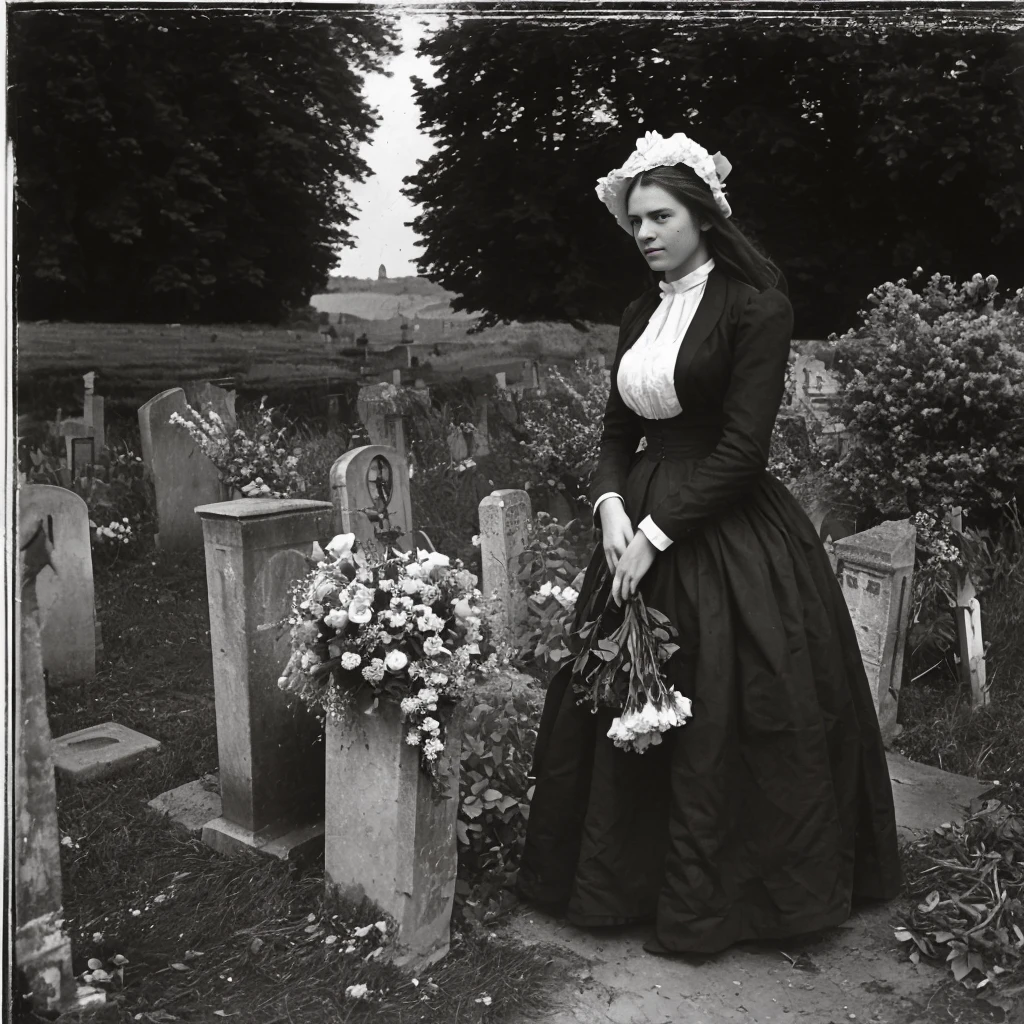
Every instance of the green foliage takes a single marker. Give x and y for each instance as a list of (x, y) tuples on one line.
[(551, 570), (494, 803), (916, 114), (180, 166), (558, 435), (932, 385)]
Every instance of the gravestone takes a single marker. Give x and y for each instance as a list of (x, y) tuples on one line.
[(375, 406), (204, 396), (100, 750), (183, 477), (269, 746), (93, 411), (42, 950), (875, 569), (504, 519), (388, 835), (370, 494), (64, 589)]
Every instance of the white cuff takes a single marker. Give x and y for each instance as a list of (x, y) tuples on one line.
[(607, 494), (656, 536)]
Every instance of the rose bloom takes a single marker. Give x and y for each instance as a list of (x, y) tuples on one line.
[(395, 661), (341, 545), (350, 660), (360, 612), (411, 587), (433, 645), (336, 618), (414, 570)]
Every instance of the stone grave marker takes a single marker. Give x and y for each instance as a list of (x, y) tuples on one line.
[(270, 748), (370, 494), (375, 406), (875, 569), (183, 477), (504, 518), (93, 411), (42, 950), (204, 396), (100, 750), (388, 835), (64, 589)]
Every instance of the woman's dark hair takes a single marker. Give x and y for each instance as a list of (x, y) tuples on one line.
[(732, 250)]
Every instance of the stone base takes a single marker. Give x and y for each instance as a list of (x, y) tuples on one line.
[(191, 806), (42, 953), (228, 838), (100, 750), (926, 797)]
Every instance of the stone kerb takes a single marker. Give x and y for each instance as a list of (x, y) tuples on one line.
[(269, 746), (370, 495), (388, 835), (64, 589), (504, 520), (875, 569), (183, 477)]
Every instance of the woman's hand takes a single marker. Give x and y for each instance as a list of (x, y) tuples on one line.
[(616, 531), (632, 567)]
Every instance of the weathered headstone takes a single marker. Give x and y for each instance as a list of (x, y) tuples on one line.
[(205, 396), (183, 477), (875, 569), (388, 835), (370, 493), (269, 746), (93, 411), (967, 612), (100, 750), (377, 408), (42, 951), (504, 519), (65, 588)]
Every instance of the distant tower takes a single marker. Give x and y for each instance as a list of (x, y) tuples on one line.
[(382, 274)]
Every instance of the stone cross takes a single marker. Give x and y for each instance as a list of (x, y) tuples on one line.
[(183, 477), (504, 519), (388, 835), (269, 749), (370, 494), (875, 569), (64, 589)]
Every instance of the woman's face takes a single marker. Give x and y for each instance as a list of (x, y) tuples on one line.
[(665, 231)]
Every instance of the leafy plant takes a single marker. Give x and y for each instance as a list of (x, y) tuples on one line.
[(494, 802)]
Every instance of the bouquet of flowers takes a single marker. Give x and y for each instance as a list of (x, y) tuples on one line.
[(404, 628), (621, 666)]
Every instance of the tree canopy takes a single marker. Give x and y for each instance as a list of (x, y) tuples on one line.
[(861, 147), (185, 165)]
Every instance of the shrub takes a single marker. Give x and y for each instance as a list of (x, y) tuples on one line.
[(551, 569), (494, 801), (932, 385)]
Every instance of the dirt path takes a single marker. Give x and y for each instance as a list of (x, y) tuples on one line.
[(856, 972)]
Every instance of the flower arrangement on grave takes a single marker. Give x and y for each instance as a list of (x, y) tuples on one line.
[(401, 627), (259, 462), (620, 663)]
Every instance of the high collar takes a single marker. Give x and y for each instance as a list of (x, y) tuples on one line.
[(691, 280)]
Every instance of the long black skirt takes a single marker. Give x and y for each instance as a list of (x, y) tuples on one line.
[(770, 811)]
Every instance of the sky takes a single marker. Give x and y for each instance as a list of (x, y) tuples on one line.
[(380, 233)]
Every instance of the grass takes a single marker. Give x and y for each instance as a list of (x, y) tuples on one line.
[(209, 937)]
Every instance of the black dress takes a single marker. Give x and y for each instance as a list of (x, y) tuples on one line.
[(771, 809)]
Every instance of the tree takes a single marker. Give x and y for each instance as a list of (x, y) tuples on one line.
[(862, 147), (185, 165)]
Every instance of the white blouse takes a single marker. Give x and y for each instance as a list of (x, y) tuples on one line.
[(646, 376)]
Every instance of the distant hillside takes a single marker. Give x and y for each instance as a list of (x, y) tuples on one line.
[(389, 286)]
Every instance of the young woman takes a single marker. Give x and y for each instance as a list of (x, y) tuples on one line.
[(770, 811)]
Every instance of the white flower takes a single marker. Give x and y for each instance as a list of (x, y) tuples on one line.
[(462, 609), (386, 585), (410, 705), (429, 623), (374, 672), (396, 661), (341, 545), (412, 586), (431, 725), (360, 612), (336, 618), (433, 646), (545, 589), (350, 660), (322, 587), (415, 570), (567, 597), (432, 748), (397, 619), (356, 991), (433, 560), (476, 540), (412, 737)]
